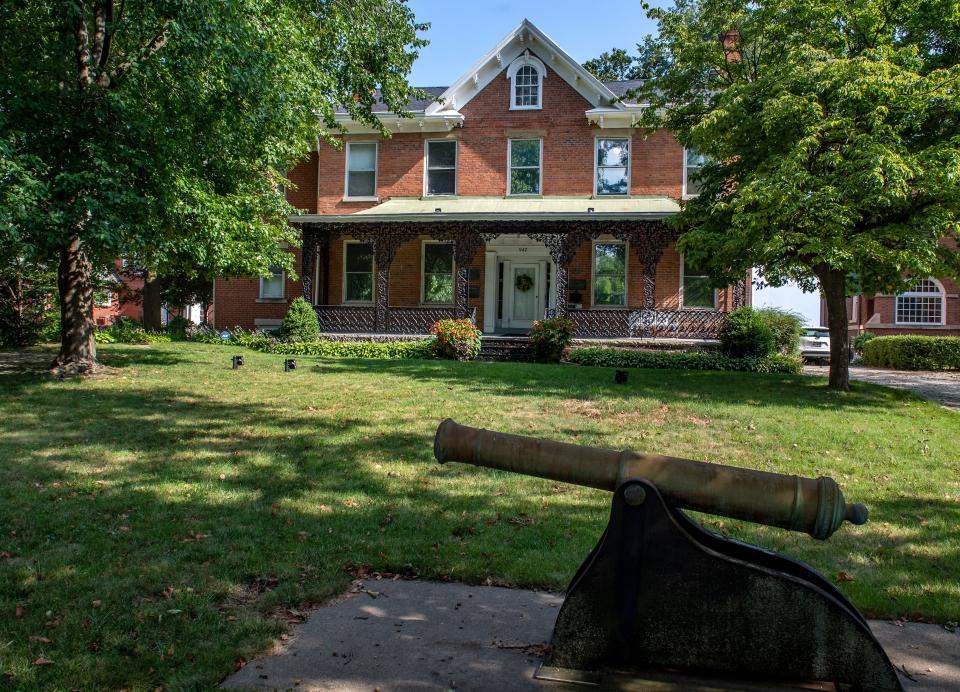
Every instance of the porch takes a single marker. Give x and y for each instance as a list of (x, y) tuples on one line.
[(506, 268)]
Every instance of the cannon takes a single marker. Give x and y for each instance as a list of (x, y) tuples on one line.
[(661, 593)]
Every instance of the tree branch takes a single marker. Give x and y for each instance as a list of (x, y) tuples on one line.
[(155, 44), (81, 45), (99, 30), (104, 56)]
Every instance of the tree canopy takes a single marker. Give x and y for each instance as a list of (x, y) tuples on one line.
[(614, 66), (163, 130), (831, 131)]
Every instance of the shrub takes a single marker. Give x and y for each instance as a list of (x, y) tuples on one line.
[(177, 328), (787, 326), (300, 323), (457, 339), (746, 335), (684, 360), (913, 352), (125, 330), (860, 340), (420, 349), (206, 334), (551, 337), (103, 336)]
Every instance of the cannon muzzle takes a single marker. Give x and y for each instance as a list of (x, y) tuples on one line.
[(813, 506)]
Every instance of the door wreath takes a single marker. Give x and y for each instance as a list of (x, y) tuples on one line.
[(523, 283)]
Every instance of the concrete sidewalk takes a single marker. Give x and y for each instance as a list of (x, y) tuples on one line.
[(409, 635)]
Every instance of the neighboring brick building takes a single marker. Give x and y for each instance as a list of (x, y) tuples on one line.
[(522, 190)]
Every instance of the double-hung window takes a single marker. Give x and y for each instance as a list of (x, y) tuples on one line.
[(525, 166), (438, 273), (442, 167), (692, 164), (922, 304), (271, 287), (613, 167), (696, 291), (610, 274), (361, 170), (358, 273)]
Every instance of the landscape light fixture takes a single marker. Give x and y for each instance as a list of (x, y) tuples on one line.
[(289, 364), (620, 377), (237, 362)]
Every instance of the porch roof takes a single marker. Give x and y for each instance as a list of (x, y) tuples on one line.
[(433, 209)]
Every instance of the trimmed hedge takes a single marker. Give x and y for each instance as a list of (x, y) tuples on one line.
[(746, 334), (353, 349), (683, 360), (913, 352)]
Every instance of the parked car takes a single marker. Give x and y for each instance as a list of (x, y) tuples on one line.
[(815, 343)]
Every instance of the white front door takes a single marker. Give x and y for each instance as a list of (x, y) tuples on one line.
[(526, 304)]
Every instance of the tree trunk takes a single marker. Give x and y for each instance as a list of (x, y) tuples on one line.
[(151, 302), (78, 350), (833, 283)]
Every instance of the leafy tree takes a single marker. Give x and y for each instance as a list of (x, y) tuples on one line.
[(615, 66), (161, 130), (27, 294), (833, 128)]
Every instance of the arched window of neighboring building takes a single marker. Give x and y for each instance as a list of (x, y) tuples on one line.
[(922, 304), (526, 78)]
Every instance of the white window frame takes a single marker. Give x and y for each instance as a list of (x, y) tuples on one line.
[(423, 273), (596, 166), (283, 287), (917, 294), (510, 193), (685, 194), (343, 281), (716, 292), (626, 274), (426, 171), (376, 172), (526, 60)]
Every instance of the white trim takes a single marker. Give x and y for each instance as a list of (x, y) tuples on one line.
[(596, 165), (343, 275), (346, 171), (539, 192), (423, 267), (526, 60), (684, 194), (917, 294), (283, 287), (716, 292), (593, 274), (441, 122), (456, 167)]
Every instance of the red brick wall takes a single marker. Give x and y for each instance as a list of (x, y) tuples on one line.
[(237, 304)]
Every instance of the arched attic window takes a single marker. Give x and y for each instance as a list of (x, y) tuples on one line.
[(922, 304), (526, 75)]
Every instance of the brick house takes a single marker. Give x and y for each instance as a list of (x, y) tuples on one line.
[(522, 190), (930, 307)]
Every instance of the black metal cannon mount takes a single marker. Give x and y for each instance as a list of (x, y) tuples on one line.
[(659, 592)]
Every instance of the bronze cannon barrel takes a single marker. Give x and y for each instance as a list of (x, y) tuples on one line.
[(813, 505)]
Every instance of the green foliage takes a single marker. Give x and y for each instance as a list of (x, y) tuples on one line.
[(551, 337), (615, 66), (456, 339), (746, 334), (419, 350), (786, 325), (300, 322), (177, 328), (206, 334), (913, 352), (860, 340), (683, 360), (28, 293), (125, 330)]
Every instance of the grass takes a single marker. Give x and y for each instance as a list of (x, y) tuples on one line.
[(161, 523)]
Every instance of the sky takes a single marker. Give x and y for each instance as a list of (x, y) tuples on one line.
[(462, 32)]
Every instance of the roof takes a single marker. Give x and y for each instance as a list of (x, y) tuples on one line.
[(434, 209)]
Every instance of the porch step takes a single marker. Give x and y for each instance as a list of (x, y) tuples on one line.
[(510, 348)]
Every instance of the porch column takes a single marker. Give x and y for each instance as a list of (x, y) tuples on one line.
[(490, 292), (308, 258), (383, 252), (739, 294), (466, 242), (561, 282)]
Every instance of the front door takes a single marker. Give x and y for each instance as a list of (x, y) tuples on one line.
[(525, 290)]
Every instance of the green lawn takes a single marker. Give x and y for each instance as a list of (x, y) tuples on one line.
[(161, 522)]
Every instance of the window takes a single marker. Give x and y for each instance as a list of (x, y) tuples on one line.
[(526, 75), (358, 273), (922, 304), (438, 273), (361, 170), (609, 274), (692, 163), (271, 287), (525, 157), (696, 291), (613, 165), (442, 168)]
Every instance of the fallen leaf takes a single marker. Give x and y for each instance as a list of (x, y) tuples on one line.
[(19, 611), (844, 576), (123, 529), (351, 503), (303, 535), (41, 640), (223, 476), (96, 604), (326, 508), (41, 661)]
